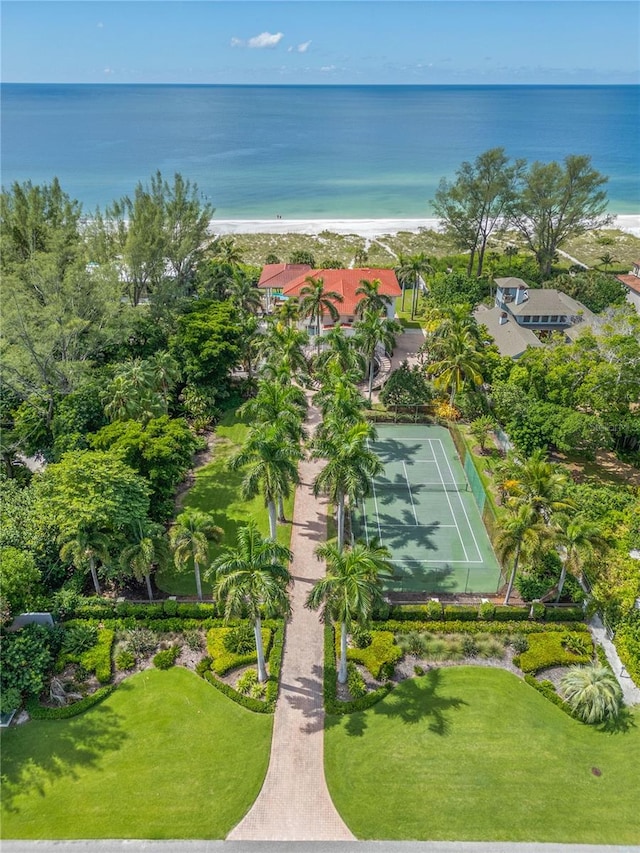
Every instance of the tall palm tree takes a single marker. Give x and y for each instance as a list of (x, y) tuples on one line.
[(250, 576), (521, 533), (317, 301), (148, 550), (411, 269), (283, 348), (243, 293), (351, 589), (190, 536), (373, 331), (276, 402), (542, 484), (341, 352), (83, 549), (459, 363), (350, 467), (338, 396), (288, 311), (579, 539), (165, 372), (592, 692), (271, 461), (372, 299)]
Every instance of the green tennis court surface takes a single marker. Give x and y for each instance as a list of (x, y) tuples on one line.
[(422, 509)]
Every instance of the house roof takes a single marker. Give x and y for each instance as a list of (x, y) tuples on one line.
[(346, 282), (279, 275), (631, 281), (547, 301), (511, 281), (511, 339)]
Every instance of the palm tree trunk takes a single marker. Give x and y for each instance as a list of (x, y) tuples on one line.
[(271, 506), (371, 370), (94, 576), (147, 578), (513, 575), (281, 515), (262, 669), (198, 581), (340, 519), (414, 298), (404, 290), (342, 672), (563, 576)]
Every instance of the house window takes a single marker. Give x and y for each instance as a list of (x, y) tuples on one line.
[(526, 319), (554, 318), (544, 318), (535, 318)]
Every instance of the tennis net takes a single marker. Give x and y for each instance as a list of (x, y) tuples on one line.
[(426, 487)]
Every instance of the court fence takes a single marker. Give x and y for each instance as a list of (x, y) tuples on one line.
[(483, 499)]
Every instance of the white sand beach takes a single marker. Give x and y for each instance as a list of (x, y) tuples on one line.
[(367, 228)]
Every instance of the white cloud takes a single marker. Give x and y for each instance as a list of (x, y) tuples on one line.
[(108, 70), (265, 40), (236, 42), (328, 68), (302, 48)]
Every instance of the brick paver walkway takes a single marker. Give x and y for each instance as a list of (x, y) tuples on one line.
[(294, 803)]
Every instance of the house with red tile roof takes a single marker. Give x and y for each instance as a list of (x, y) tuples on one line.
[(285, 281), (632, 282)]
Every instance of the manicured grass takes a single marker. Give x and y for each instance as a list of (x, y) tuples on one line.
[(468, 753), (218, 490), (165, 756), (404, 317)]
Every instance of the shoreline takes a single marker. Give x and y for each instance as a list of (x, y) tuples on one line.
[(367, 228)]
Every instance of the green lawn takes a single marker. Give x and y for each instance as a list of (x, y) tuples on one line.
[(218, 491), (468, 753), (165, 756)]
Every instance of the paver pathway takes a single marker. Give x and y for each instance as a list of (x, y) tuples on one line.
[(294, 803)]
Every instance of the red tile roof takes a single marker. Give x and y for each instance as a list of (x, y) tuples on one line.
[(631, 281), (278, 275), (346, 282)]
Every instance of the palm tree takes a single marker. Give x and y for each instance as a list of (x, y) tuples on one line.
[(338, 396), (271, 461), (250, 576), (580, 539), (372, 299), (317, 301), (133, 394), (283, 346), (351, 589), (459, 362), (149, 549), (411, 269), (341, 352), (607, 260), (542, 485), (372, 331), (592, 692), (190, 536), (350, 467), (83, 549), (225, 250), (521, 532), (242, 292), (165, 372), (276, 402), (288, 311)]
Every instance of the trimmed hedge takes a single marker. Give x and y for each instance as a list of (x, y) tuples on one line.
[(255, 705), (96, 659), (546, 650), (564, 614), (39, 712), (275, 665), (457, 613), (100, 608), (331, 703), (549, 692), (379, 658), (479, 627), (224, 660), (627, 643)]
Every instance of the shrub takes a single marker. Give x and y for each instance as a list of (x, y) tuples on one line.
[(549, 692), (469, 646), (578, 644), (462, 613), (240, 640), (380, 657), (564, 614), (361, 638), (520, 644), (355, 682), (193, 639), (248, 702), (538, 610), (418, 670), (170, 607), (487, 610), (592, 692), (413, 643), (142, 641), (204, 665), (223, 659), (332, 705), (98, 658), (249, 685), (546, 649), (26, 660), (166, 658), (10, 700), (433, 610), (507, 613), (125, 660), (78, 638)]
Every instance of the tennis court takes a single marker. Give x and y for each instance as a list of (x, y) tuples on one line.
[(422, 508)]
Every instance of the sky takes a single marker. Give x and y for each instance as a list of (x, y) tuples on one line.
[(336, 42)]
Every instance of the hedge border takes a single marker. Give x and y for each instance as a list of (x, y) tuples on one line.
[(331, 703), (40, 712), (480, 627), (547, 689)]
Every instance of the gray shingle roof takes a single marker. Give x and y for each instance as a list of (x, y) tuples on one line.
[(511, 339)]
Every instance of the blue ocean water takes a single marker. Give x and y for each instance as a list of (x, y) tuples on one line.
[(306, 151)]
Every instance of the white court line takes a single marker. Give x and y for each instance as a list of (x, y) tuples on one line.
[(450, 507), (426, 527), (475, 541), (366, 521), (446, 562), (410, 495), (375, 500)]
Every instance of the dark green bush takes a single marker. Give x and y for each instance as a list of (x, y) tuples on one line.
[(256, 705), (166, 658), (125, 660), (10, 700), (197, 611), (361, 638), (355, 682), (142, 641), (469, 646), (418, 670), (547, 650), (487, 611), (507, 613), (538, 610), (520, 644), (461, 613), (240, 640), (564, 614), (331, 703), (78, 637), (170, 607), (26, 659), (39, 712), (204, 665)]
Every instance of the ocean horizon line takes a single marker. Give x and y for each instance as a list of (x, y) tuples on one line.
[(112, 84)]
